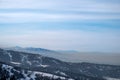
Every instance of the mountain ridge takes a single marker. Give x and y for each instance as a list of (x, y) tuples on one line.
[(76, 57), (37, 62)]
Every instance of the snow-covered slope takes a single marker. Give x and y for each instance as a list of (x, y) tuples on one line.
[(10, 73), (78, 71)]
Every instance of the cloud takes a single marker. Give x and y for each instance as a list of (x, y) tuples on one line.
[(38, 17), (87, 5), (54, 10), (90, 13)]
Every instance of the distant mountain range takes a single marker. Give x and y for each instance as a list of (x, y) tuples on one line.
[(26, 66), (32, 50), (73, 56)]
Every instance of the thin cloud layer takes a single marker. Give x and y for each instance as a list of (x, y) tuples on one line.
[(54, 10), (84, 25)]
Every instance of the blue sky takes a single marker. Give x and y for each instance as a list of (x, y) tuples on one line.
[(83, 25)]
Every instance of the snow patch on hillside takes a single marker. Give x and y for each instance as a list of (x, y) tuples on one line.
[(32, 74), (111, 78)]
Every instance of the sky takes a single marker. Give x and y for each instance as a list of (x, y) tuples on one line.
[(82, 25)]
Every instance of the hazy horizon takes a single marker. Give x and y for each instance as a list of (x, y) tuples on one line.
[(74, 56), (61, 50)]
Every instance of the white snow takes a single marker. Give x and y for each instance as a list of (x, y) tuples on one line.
[(108, 78), (51, 75), (32, 74), (44, 66), (8, 68), (17, 63), (25, 59), (62, 73), (29, 62), (10, 56)]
